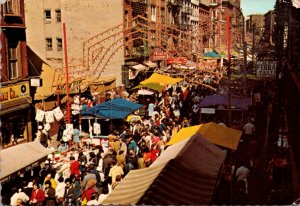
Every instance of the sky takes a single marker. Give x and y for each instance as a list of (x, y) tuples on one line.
[(257, 6)]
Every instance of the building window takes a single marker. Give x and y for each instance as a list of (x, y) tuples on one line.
[(59, 44), (12, 7), (13, 63), (48, 44), (58, 15), (48, 16)]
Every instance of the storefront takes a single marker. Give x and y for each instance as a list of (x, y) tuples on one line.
[(15, 114)]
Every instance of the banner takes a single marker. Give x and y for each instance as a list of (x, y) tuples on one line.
[(39, 117), (49, 116), (58, 114)]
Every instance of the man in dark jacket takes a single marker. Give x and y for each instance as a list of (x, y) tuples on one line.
[(69, 196)]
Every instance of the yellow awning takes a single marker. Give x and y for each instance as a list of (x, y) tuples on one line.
[(215, 133), (161, 79), (47, 76)]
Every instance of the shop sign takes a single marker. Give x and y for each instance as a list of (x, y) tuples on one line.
[(177, 60), (159, 55), (14, 92), (266, 69), (74, 87), (208, 110)]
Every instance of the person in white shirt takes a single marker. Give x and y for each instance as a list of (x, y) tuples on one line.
[(242, 174), (249, 130), (18, 195), (60, 190)]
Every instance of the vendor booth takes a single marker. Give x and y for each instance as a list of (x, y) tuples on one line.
[(20, 158), (215, 133), (185, 174)]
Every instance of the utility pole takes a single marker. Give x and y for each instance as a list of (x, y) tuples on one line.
[(228, 68), (245, 56), (67, 75), (67, 79), (253, 43)]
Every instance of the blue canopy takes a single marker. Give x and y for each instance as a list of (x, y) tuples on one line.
[(212, 55), (117, 108), (217, 99)]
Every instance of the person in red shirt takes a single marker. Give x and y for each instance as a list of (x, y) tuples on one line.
[(74, 166), (154, 153), (37, 195)]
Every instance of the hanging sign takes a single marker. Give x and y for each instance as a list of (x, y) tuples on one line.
[(58, 114), (97, 128), (70, 129), (266, 69), (49, 116), (39, 117), (159, 55)]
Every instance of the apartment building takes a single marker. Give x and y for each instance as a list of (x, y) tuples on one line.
[(93, 35), (15, 88)]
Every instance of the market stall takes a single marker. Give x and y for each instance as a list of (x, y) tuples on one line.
[(215, 133), (19, 158), (184, 174)]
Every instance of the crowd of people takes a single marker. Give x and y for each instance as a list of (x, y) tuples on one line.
[(82, 174)]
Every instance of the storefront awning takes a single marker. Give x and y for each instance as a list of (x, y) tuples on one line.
[(18, 157), (139, 67), (47, 76), (150, 64)]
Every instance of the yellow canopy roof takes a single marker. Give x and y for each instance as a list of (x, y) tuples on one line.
[(215, 133), (161, 79), (47, 75)]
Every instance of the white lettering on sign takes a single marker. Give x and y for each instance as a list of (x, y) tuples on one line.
[(266, 69)]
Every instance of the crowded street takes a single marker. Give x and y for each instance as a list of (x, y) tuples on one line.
[(166, 102)]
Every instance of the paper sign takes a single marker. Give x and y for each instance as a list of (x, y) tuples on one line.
[(58, 114), (69, 129), (66, 137), (49, 116), (39, 117), (97, 129)]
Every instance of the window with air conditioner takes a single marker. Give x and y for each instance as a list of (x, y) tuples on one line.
[(59, 44), (11, 7), (47, 16), (58, 15), (49, 45)]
